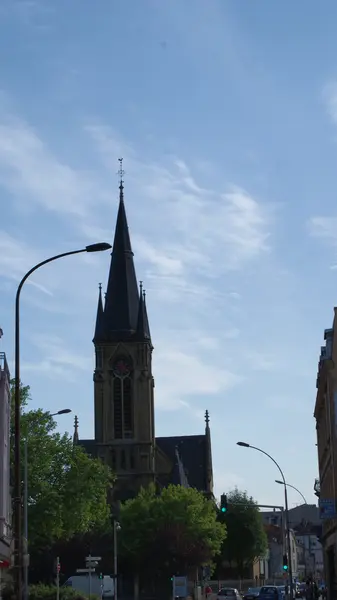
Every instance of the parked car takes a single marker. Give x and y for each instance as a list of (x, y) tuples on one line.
[(230, 593), (271, 592), (252, 593)]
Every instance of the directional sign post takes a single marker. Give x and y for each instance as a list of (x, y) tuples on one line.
[(88, 570), (327, 508), (93, 558)]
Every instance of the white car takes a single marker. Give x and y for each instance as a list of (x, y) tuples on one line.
[(230, 593)]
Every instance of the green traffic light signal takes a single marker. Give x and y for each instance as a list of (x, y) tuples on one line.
[(285, 562), (223, 503)]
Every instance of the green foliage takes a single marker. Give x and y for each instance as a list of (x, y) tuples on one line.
[(67, 489), (48, 592), (170, 532), (246, 538)]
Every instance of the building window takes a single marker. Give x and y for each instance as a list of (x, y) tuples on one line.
[(123, 461), (127, 407), (118, 401), (122, 399), (99, 359)]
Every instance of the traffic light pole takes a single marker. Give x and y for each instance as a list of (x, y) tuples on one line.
[(290, 565)]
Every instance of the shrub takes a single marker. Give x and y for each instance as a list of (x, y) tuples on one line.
[(48, 592)]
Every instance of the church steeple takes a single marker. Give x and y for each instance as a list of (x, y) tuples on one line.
[(208, 457), (143, 328), (122, 298), (99, 329)]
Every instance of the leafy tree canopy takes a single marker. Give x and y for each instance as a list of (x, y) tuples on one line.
[(246, 538), (170, 532), (67, 489)]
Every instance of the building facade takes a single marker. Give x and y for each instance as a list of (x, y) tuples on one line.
[(309, 556), (5, 508), (124, 389), (325, 414)]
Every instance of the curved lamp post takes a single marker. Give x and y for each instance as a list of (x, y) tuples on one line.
[(292, 487), (245, 445), (100, 247)]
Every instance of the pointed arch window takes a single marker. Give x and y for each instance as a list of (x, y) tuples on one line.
[(122, 399)]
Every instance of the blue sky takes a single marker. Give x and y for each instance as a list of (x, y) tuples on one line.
[(226, 116)]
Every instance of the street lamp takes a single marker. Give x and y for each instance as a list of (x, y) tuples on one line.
[(64, 411), (100, 247), (245, 445), (293, 487), (117, 528)]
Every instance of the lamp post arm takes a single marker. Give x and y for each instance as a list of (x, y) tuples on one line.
[(271, 458), (298, 491)]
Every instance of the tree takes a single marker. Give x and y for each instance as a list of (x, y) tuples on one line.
[(168, 533), (246, 538), (67, 489)]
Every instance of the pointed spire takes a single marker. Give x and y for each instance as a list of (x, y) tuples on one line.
[(75, 436), (208, 457), (99, 329), (122, 298), (207, 419), (143, 329)]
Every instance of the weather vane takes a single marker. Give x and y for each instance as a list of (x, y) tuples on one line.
[(121, 171)]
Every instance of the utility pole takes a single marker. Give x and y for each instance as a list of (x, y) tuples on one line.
[(115, 559), (58, 578), (116, 529)]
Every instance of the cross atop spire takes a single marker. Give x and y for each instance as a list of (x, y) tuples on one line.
[(121, 174), (207, 418)]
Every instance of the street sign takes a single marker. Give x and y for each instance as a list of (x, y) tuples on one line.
[(179, 586), (92, 558), (91, 563), (327, 508), (89, 570)]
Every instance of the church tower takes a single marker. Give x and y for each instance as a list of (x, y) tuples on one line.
[(123, 381)]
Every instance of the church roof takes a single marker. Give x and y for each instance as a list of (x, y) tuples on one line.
[(192, 453), (187, 453)]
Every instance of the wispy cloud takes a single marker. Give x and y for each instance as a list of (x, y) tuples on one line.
[(185, 236), (37, 178), (324, 228), (55, 360), (191, 227), (330, 99), (15, 256)]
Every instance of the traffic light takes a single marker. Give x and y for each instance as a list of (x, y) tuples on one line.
[(223, 503), (285, 562), (101, 576)]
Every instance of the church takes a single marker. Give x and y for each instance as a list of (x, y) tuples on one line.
[(124, 389)]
